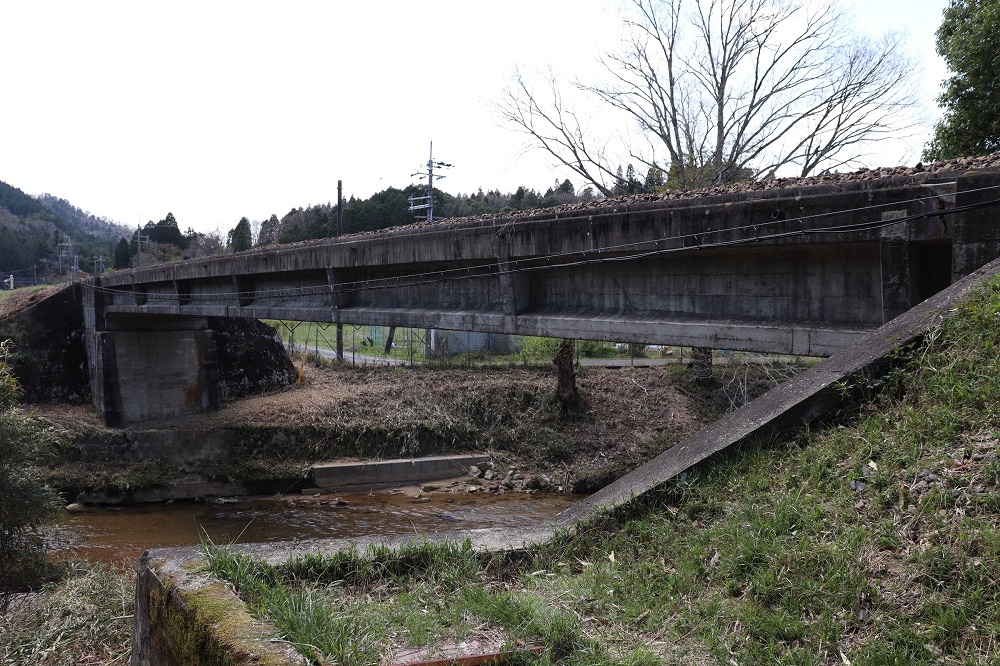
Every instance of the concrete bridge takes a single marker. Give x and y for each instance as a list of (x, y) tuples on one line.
[(801, 270)]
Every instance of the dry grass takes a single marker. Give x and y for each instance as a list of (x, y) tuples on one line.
[(85, 620), (13, 302), (633, 413)]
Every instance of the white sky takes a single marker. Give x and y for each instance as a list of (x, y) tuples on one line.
[(219, 110)]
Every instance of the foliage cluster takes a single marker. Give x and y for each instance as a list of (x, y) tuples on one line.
[(969, 41), (390, 208)]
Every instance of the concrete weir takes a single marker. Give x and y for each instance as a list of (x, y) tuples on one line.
[(183, 616), (341, 476)]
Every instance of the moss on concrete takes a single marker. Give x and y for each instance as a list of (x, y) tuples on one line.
[(202, 624)]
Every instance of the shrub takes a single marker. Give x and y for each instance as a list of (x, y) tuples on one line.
[(25, 503)]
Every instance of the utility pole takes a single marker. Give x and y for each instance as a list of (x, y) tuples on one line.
[(424, 203), (65, 250), (427, 202), (340, 230), (340, 207), (139, 240)]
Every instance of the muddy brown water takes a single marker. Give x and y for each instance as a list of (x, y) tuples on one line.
[(120, 534)]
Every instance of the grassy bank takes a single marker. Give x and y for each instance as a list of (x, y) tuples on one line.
[(83, 619), (875, 540)]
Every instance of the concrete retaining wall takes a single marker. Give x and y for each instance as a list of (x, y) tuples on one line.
[(50, 357)]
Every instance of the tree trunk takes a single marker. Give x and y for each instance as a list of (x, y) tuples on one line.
[(701, 363), (388, 339), (570, 401)]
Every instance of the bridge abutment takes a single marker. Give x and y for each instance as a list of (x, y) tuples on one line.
[(149, 367), (161, 366)]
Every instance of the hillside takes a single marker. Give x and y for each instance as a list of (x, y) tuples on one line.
[(97, 227), (33, 229)]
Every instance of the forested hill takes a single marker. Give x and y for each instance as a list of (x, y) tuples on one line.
[(33, 229), (98, 227)]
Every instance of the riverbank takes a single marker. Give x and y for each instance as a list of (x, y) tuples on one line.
[(366, 413)]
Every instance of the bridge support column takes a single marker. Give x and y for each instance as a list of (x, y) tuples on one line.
[(162, 366), (897, 261)]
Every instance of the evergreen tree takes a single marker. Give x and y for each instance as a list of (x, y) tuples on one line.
[(123, 253), (239, 238), (269, 231), (969, 41)]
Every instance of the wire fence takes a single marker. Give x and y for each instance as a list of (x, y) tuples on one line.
[(383, 345)]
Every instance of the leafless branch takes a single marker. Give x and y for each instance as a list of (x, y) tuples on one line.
[(731, 89)]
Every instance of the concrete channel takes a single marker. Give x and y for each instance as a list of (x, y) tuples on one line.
[(183, 616)]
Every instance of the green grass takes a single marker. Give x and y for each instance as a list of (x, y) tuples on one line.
[(6, 293), (408, 345), (875, 540)]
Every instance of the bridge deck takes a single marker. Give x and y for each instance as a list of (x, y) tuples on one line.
[(803, 270)]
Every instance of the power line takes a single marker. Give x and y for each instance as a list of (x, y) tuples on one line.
[(593, 256)]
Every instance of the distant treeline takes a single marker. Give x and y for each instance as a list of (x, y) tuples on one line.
[(37, 232), (390, 208)]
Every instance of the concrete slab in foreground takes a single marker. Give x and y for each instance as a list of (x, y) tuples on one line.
[(804, 398), (184, 617)]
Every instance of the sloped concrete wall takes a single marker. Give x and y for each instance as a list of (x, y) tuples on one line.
[(250, 357), (184, 617), (50, 357)]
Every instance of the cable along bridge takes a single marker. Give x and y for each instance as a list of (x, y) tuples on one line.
[(804, 270)]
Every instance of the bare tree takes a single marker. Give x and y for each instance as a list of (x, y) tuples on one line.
[(728, 89), (555, 128)]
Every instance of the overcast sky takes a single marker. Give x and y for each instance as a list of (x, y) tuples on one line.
[(219, 110)]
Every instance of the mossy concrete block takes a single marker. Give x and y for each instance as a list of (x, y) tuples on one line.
[(185, 617)]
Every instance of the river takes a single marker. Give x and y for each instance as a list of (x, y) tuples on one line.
[(120, 534)]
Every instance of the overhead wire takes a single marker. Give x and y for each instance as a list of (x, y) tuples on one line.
[(495, 267)]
